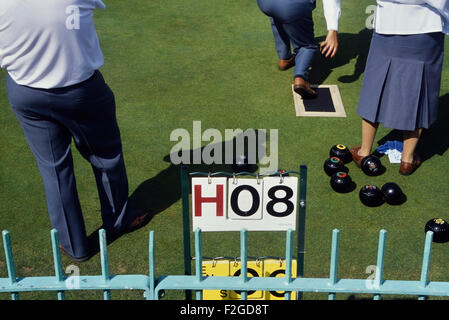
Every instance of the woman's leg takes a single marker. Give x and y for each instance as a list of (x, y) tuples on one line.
[(411, 139), (369, 130), (410, 161)]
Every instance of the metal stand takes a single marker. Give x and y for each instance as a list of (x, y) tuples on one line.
[(301, 220)]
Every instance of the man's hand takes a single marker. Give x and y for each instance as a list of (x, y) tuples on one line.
[(329, 47)]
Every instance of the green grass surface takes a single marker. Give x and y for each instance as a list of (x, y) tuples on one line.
[(172, 62)]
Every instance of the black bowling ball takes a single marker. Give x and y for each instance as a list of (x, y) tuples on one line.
[(372, 166), (342, 152), (440, 229), (371, 196), (341, 182), (393, 194), (333, 165)]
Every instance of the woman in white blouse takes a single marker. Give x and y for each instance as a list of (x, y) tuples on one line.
[(403, 74)]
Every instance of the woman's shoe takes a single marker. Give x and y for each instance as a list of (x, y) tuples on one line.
[(408, 168), (355, 155)]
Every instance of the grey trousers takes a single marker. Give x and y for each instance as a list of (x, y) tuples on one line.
[(50, 118), (292, 23)]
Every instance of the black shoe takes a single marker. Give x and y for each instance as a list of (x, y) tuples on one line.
[(139, 221), (75, 259)]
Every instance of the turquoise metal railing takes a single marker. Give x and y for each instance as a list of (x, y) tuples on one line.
[(152, 286), (60, 283), (331, 285)]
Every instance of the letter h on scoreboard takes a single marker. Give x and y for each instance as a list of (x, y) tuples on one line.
[(199, 200)]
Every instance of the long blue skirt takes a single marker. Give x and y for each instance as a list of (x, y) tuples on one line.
[(402, 80)]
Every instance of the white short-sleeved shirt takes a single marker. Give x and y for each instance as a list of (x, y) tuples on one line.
[(412, 16), (49, 43)]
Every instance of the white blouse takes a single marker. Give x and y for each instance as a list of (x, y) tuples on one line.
[(332, 13), (412, 16), (49, 43)]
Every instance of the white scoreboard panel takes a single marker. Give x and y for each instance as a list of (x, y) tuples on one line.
[(222, 204)]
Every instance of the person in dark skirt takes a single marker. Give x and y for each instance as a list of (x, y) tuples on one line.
[(402, 78), (292, 26)]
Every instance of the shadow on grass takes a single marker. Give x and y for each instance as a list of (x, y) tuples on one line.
[(433, 141), (158, 193), (351, 46)]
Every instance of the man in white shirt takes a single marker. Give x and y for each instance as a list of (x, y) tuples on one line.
[(51, 53), (292, 22)]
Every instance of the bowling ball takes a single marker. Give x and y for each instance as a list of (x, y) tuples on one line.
[(371, 196), (333, 165), (393, 194), (342, 152), (440, 229), (341, 182), (372, 166)]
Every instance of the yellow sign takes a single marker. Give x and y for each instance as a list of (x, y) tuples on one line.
[(215, 268), (258, 268), (254, 269), (276, 268)]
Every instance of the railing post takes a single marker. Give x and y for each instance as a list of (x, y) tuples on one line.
[(104, 262), (288, 260), (152, 269), (186, 225), (10, 262), (426, 262), (380, 262), (334, 261), (243, 261), (57, 261), (199, 261)]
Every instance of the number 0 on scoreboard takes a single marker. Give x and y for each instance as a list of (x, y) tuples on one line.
[(222, 204)]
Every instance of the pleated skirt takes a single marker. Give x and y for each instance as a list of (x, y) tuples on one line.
[(402, 80)]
